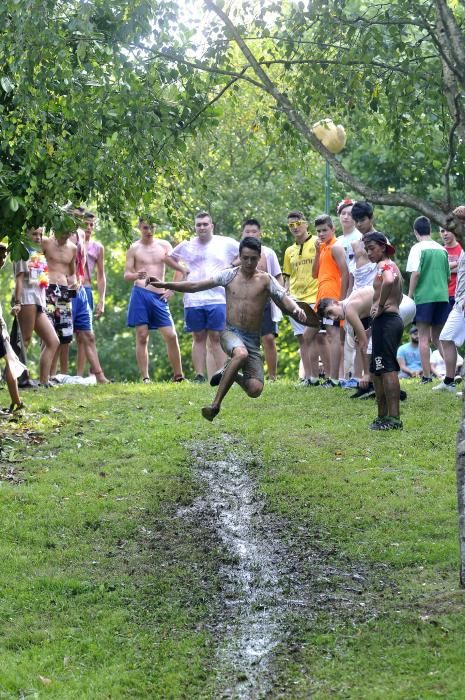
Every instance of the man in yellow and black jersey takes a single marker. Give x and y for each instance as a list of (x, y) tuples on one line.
[(297, 272)]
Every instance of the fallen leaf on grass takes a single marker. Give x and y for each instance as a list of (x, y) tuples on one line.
[(45, 680)]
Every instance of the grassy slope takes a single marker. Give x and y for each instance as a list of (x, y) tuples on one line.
[(104, 593)]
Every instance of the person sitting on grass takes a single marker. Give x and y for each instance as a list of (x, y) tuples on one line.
[(247, 292), (13, 366)]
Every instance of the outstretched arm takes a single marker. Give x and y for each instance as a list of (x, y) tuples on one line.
[(192, 287)]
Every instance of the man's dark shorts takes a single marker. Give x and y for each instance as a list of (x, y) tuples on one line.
[(386, 333), (366, 322), (2, 347), (58, 298), (269, 327), (433, 313)]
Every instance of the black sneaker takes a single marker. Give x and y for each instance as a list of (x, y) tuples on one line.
[(403, 395), (216, 378), (199, 379), (364, 392), (387, 424), (426, 380), (329, 384)]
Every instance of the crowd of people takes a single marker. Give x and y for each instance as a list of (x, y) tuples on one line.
[(343, 295)]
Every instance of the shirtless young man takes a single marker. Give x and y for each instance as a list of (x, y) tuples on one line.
[(60, 253), (93, 260), (247, 292), (148, 309)]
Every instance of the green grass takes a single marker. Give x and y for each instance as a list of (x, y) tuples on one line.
[(106, 593)]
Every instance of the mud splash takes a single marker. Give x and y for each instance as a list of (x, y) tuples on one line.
[(258, 586)]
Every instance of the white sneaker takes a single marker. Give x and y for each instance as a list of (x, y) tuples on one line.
[(445, 387)]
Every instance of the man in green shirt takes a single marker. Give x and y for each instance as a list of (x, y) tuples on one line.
[(429, 267)]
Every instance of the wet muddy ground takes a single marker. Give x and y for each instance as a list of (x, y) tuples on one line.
[(275, 580)]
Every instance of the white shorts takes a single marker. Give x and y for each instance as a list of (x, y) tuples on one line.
[(297, 327), (454, 328), (407, 310)]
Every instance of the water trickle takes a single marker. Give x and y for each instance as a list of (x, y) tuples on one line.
[(253, 574)]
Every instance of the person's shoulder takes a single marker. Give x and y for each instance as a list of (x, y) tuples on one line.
[(161, 241)]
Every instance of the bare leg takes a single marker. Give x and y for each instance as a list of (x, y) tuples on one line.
[(271, 355), (334, 338), (358, 362), (170, 337), (142, 355), (216, 357), (380, 395), (308, 358), (81, 356), (342, 337), (321, 346), (199, 352), (87, 338), (449, 353), (50, 345), (238, 360), (63, 351), (424, 335), (26, 320), (391, 390), (435, 333), (12, 386)]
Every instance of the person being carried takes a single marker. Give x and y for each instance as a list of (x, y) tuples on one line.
[(247, 292)]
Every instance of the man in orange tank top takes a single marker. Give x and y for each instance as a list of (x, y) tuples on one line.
[(330, 268)]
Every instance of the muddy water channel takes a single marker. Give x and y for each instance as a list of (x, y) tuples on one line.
[(254, 571), (265, 586)]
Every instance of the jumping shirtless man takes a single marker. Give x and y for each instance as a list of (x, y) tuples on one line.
[(247, 292), (148, 309)]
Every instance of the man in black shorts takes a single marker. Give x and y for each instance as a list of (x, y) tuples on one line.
[(386, 330)]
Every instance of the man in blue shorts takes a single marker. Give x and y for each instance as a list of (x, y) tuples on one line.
[(148, 308), (204, 314), (429, 287)]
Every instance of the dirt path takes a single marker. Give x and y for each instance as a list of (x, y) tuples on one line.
[(266, 587)]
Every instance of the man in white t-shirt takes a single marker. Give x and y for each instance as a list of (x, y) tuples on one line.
[(352, 359), (204, 256), (271, 314)]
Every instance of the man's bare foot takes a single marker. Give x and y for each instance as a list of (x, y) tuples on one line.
[(100, 377), (209, 412)]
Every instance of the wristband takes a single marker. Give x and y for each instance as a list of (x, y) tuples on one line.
[(17, 303)]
